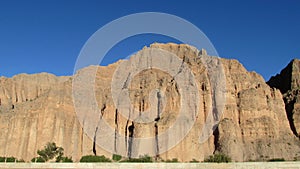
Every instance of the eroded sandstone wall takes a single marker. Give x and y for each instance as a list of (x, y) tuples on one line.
[(36, 109)]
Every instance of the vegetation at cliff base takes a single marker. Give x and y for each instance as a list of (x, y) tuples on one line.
[(218, 158), (116, 157), (51, 152), (141, 159), (10, 160), (94, 159), (276, 159)]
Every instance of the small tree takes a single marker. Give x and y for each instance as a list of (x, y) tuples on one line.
[(50, 152)]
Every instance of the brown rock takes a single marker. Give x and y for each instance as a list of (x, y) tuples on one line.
[(288, 82), (36, 109)]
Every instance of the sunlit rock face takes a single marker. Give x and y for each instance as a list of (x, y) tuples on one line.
[(36, 109)]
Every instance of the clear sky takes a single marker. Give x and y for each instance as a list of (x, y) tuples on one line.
[(47, 35)]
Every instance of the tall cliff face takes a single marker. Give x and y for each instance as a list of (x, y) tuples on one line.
[(288, 82), (254, 125), (36, 109)]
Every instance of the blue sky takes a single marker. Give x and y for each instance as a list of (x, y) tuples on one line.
[(47, 36)]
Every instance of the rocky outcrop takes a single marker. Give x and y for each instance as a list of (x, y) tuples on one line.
[(254, 125), (288, 82), (288, 79), (36, 109)]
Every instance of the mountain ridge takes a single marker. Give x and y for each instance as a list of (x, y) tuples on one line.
[(255, 124)]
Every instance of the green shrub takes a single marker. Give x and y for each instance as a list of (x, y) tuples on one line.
[(116, 157), (51, 151), (174, 160), (2, 159), (66, 160), (38, 160), (92, 158), (141, 159), (276, 159), (218, 158), (11, 159)]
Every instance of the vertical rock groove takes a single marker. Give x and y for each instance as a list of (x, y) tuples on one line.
[(130, 140), (81, 143), (216, 138), (140, 108), (143, 105), (116, 130), (126, 132), (155, 124), (102, 110), (156, 141), (94, 142), (289, 107), (95, 134)]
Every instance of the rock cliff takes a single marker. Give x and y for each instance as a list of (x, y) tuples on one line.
[(288, 82), (36, 109)]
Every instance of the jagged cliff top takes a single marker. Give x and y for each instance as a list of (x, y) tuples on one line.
[(288, 78), (167, 46)]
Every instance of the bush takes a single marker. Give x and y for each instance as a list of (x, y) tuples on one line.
[(38, 160), (276, 159), (63, 159), (218, 158), (11, 159), (66, 160), (116, 157), (92, 158), (141, 159), (2, 159), (50, 151)]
